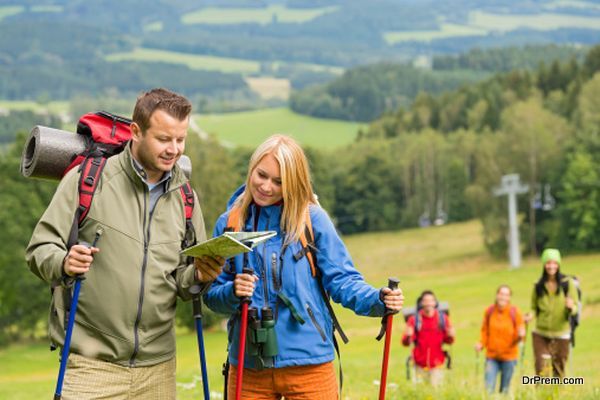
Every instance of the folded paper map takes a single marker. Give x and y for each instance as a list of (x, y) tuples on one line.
[(229, 244)]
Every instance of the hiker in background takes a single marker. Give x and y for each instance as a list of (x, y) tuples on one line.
[(553, 301), (501, 331), (290, 281), (123, 344), (429, 329)]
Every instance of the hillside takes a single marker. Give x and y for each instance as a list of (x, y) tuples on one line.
[(451, 260)]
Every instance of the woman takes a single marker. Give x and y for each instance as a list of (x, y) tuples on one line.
[(501, 331), (296, 361), (553, 302)]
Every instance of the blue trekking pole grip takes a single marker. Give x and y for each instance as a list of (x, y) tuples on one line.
[(197, 307), (67, 345)]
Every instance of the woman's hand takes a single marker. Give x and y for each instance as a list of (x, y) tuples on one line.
[(528, 317), (569, 303), (243, 285), (393, 299)]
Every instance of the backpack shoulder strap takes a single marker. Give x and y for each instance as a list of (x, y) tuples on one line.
[(513, 316), (564, 284), (187, 195), (233, 220), (90, 172), (441, 321), (308, 247)]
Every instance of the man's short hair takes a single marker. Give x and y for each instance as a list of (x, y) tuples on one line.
[(160, 99)]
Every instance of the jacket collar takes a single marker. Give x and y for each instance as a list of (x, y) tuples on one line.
[(128, 164)]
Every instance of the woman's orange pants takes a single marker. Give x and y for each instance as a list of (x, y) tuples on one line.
[(306, 382)]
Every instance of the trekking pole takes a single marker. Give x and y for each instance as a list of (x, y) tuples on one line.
[(197, 307), (67, 345), (523, 348), (476, 366), (386, 328), (242, 341)]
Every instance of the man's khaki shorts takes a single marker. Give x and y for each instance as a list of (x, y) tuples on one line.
[(87, 378)]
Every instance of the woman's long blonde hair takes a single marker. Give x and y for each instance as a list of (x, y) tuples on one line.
[(296, 187)]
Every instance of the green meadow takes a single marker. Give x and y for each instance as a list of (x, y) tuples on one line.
[(451, 261), (251, 127), (264, 15), (209, 63), (193, 61), (482, 23), (54, 107)]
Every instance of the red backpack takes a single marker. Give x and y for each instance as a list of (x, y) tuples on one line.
[(106, 135)]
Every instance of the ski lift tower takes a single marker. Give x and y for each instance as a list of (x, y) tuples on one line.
[(511, 186)]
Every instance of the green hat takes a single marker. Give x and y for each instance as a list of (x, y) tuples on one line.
[(550, 255)]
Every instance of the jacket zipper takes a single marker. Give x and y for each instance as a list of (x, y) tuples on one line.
[(274, 271), (136, 345), (313, 318)]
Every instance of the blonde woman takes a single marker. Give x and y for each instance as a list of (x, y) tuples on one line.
[(290, 355)]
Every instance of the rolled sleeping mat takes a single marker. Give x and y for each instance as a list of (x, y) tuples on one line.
[(48, 152)]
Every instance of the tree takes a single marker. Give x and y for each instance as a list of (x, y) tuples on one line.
[(24, 298), (532, 140)]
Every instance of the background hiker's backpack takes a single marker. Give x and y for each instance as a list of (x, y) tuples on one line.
[(573, 319)]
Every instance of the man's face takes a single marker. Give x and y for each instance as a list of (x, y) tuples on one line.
[(159, 148), (428, 304)]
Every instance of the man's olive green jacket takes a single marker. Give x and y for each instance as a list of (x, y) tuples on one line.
[(126, 311)]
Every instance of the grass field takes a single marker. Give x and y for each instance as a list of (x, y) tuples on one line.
[(481, 23), (209, 63), (251, 127), (55, 107), (193, 61), (266, 15), (450, 260)]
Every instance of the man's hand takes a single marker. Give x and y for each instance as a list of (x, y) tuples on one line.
[(78, 259), (528, 317), (478, 347), (208, 268), (393, 299), (244, 285), (450, 331)]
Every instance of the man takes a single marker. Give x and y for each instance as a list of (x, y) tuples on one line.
[(123, 344), (428, 329), (501, 331)]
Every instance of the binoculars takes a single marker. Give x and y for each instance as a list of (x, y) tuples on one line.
[(261, 341)]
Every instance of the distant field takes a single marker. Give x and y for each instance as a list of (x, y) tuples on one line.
[(252, 127), (7, 11), (213, 16), (55, 107), (446, 31), (193, 61), (482, 23), (211, 63), (451, 260)]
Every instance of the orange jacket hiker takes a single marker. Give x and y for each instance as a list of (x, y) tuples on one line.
[(500, 332)]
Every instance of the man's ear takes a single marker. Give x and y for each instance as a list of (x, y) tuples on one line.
[(136, 132)]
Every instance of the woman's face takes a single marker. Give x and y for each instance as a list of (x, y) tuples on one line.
[(503, 297), (551, 267), (265, 182)]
